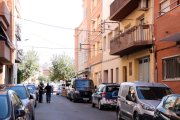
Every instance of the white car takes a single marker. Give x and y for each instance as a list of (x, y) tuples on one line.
[(60, 89)]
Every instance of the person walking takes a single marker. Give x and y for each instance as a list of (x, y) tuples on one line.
[(41, 91), (48, 90)]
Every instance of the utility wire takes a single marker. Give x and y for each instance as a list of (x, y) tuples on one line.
[(49, 25)]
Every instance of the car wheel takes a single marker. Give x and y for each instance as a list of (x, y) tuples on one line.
[(136, 116), (119, 115), (100, 107)]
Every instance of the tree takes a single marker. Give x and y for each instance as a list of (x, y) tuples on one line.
[(62, 68), (29, 66)]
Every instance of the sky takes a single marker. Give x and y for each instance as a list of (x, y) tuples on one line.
[(44, 26)]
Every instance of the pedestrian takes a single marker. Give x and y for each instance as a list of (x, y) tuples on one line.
[(48, 90), (41, 92)]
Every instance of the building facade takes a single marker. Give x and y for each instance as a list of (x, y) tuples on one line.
[(110, 63), (82, 46), (88, 53), (167, 33), (95, 41), (9, 34), (134, 44)]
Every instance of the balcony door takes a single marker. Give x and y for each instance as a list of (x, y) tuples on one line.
[(141, 31), (144, 69)]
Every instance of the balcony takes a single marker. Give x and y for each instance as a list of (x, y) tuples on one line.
[(119, 9), (19, 56), (18, 32), (4, 14), (5, 53), (135, 39)]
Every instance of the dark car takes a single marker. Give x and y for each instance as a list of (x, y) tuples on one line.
[(105, 95), (169, 108), (81, 90), (26, 98), (11, 107)]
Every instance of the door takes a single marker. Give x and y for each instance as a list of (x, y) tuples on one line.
[(125, 73), (98, 94), (144, 72)]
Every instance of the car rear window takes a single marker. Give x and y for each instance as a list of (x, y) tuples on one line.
[(3, 107), (20, 90), (112, 88)]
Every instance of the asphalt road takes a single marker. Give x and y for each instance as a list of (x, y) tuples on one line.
[(61, 108)]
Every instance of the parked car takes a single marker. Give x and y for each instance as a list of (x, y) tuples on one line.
[(33, 93), (26, 98), (60, 89), (11, 107), (169, 108), (105, 95), (81, 90), (34, 90), (138, 100)]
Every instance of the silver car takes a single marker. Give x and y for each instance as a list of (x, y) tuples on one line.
[(138, 100)]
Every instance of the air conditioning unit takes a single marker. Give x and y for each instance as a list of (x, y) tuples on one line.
[(143, 5)]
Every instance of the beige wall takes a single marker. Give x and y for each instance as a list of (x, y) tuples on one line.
[(132, 20), (134, 59)]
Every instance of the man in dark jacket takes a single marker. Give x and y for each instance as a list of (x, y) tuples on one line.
[(40, 88), (48, 90)]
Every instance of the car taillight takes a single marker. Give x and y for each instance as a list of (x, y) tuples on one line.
[(103, 94)]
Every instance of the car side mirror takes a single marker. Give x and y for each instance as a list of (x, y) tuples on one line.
[(20, 112), (31, 96)]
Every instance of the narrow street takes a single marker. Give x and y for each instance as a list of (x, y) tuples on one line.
[(61, 108)]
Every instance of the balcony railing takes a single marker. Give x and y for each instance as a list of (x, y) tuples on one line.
[(19, 56), (18, 32), (4, 14), (134, 39), (119, 9)]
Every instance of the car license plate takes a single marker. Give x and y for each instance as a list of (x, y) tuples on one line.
[(85, 98)]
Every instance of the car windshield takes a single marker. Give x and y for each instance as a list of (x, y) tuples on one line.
[(3, 107), (31, 90), (20, 90), (84, 83), (152, 93)]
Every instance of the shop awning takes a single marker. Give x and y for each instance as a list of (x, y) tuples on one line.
[(173, 38)]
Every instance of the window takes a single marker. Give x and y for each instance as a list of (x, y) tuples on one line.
[(164, 6), (171, 67), (117, 75), (125, 90), (104, 43), (130, 68), (169, 103), (109, 39), (111, 75), (116, 32)]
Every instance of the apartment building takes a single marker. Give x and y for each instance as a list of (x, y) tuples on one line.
[(82, 46), (9, 34), (95, 41), (134, 44), (167, 33), (88, 50), (110, 63)]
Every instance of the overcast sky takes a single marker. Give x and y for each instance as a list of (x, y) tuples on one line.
[(61, 13)]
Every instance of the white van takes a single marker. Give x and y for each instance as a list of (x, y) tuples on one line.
[(138, 100)]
